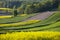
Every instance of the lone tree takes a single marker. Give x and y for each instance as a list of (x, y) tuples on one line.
[(15, 12)]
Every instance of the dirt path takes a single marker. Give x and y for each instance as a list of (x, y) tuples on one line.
[(40, 16)]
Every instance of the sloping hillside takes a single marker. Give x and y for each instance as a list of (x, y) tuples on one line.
[(51, 23)]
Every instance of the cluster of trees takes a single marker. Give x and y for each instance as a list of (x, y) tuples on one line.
[(27, 7), (34, 7)]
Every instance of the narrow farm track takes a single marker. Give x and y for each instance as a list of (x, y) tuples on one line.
[(40, 16)]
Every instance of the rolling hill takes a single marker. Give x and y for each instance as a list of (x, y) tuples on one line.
[(50, 23)]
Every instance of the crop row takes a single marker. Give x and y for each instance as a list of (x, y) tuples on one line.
[(5, 16), (20, 23)]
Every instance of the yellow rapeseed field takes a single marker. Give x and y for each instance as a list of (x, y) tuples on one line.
[(21, 23), (5, 16), (43, 35)]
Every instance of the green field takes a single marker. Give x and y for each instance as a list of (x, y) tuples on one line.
[(16, 24), (29, 19)]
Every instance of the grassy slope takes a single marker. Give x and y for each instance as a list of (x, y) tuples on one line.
[(51, 19), (15, 19), (51, 26), (44, 25), (44, 28)]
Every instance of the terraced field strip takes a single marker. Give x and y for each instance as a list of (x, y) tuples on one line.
[(8, 16), (41, 28), (20, 23), (16, 24), (51, 26), (55, 29)]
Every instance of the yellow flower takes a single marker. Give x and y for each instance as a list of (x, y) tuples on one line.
[(47, 35)]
